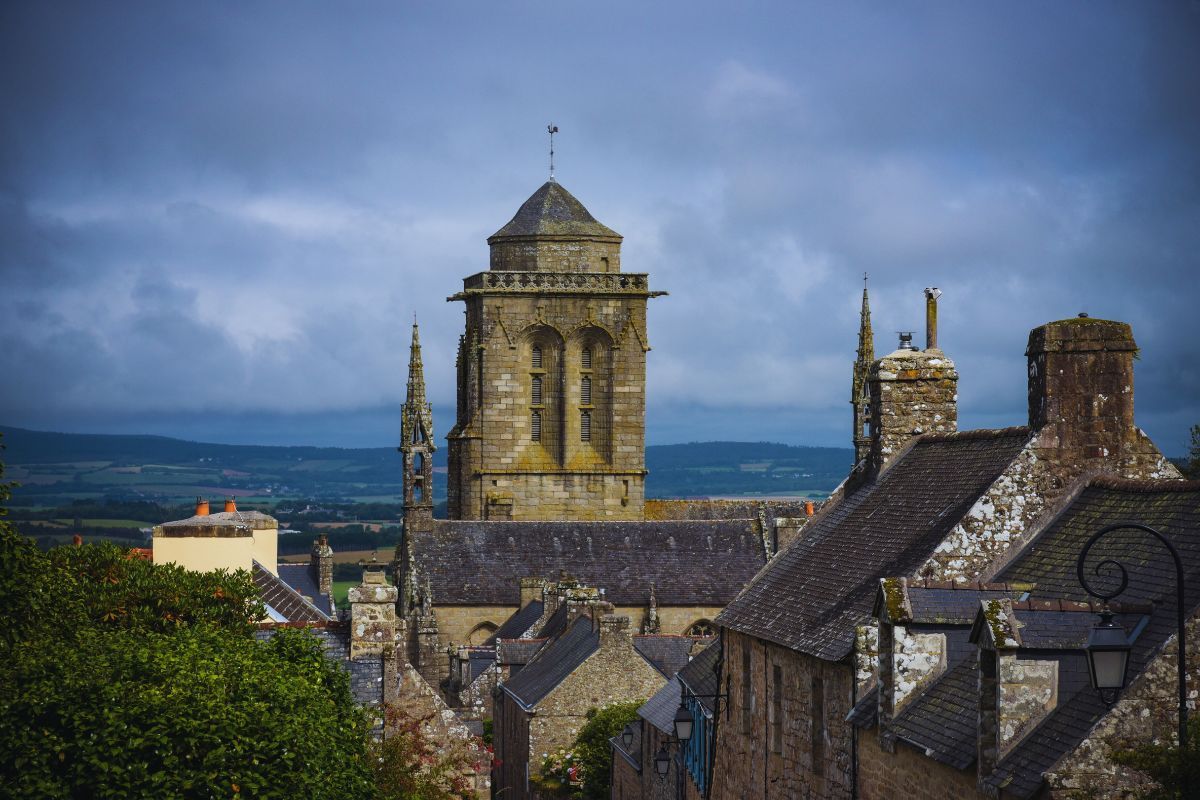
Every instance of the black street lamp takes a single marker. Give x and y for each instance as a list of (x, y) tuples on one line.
[(627, 737), (662, 762), (1108, 647), (683, 724)]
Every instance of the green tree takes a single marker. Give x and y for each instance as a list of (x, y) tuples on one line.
[(592, 750), (126, 679)]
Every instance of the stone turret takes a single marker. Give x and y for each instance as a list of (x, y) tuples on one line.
[(416, 444), (860, 394), (912, 392)]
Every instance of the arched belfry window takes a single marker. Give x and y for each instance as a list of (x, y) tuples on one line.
[(537, 392), (585, 358)]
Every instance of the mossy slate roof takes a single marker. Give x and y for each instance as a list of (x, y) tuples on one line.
[(554, 663), (814, 593), (553, 211), (1173, 508), (690, 563)]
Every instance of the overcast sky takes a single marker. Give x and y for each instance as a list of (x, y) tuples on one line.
[(217, 219)]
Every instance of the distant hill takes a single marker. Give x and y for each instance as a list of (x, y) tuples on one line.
[(57, 468)]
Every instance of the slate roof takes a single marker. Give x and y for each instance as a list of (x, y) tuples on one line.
[(938, 602), (865, 713), (255, 519), (660, 709), (811, 596), (518, 651), (689, 562), (943, 720), (700, 675), (667, 654), (283, 599), (556, 624), (553, 664), (553, 211), (1172, 507), (518, 623), (300, 578)]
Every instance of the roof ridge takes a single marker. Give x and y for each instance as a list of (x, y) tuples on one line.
[(1090, 606), (1143, 485), (978, 433)]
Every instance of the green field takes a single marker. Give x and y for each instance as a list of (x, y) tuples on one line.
[(340, 588)]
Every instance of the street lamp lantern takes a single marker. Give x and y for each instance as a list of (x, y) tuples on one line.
[(683, 724), (1108, 657), (627, 736), (662, 761)]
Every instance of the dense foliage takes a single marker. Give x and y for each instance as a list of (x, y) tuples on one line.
[(126, 679), (592, 751), (410, 765)]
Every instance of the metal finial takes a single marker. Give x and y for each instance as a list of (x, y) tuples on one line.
[(551, 129)]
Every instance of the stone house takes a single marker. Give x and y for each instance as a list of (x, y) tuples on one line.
[(983, 689), (689, 770), (799, 646), (590, 659)]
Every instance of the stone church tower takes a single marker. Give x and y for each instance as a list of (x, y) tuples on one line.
[(416, 444), (551, 373)]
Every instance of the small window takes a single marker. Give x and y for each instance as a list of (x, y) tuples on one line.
[(585, 360), (585, 391), (585, 426), (535, 426), (537, 357), (536, 393)]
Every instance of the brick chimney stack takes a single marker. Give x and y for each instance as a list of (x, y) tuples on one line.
[(1081, 387), (202, 507)]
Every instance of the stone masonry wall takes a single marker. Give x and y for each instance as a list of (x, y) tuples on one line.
[(909, 773), (1008, 513), (615, 673), (511, 743), (748, 765), (1146, 712)]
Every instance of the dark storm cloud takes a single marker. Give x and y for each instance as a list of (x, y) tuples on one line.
[(233, 210)]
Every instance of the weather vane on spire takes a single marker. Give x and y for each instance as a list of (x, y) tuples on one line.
[(551, 129)]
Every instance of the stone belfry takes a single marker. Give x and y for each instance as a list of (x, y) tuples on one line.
[(416, 444), (551, 373), (860, 392)]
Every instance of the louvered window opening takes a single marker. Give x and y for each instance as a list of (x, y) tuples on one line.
[(585, 361), (535, 426), (585, 391), (536, 393), (585, 426), (537, 357)]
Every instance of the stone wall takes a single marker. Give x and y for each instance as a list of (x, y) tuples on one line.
[(626, 780), (511, 744), (807, 758), (909, 773)]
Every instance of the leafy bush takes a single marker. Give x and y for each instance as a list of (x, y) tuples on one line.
[(592, 750)]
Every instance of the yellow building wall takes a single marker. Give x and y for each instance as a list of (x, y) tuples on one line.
[(205, 554)]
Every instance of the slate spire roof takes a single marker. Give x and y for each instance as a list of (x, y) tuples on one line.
[(553, 211), (866, 351), (416, 413)]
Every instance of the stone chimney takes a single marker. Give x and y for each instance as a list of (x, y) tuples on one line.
[(372, 614), (1081, 387), (230, 505), (912, 392), (201, 507), (532, 589), (615, 630), (321, 565)]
